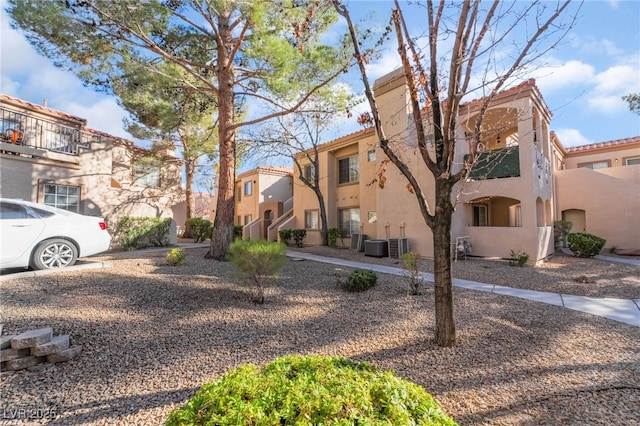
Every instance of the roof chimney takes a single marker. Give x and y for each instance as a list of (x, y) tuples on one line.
[(44, 102)]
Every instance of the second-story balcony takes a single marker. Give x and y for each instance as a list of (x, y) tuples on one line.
[(496, 163), (25, 130)]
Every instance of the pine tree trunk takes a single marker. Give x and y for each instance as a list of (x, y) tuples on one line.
[(222, 235), (445, 326), (190, 202)]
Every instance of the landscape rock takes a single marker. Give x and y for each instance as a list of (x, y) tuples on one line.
[(9, 354), (32, 338), (26, 362), (5, 341), (65, 355), (57, 344)]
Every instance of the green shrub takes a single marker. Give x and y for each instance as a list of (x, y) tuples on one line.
[(237, 232), (310, 390), (335, 233), (257, 262), (198, 229), (585, 245), (360, 280), (140, 232), (561, 229), (285, 235), (414, 280), (175, 257), (298, 236), (518, 258)]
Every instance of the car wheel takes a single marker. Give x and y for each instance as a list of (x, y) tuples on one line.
[(54, 253)]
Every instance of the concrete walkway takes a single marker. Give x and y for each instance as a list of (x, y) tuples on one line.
[(622, 310)]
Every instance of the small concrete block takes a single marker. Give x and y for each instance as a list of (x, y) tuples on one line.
[(5, 341), (32, 338), (65, 355), (57, 344), (22, 363), (9, 354)]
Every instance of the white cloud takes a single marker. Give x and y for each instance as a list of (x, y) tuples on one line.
[(571, 137), (558, 76)]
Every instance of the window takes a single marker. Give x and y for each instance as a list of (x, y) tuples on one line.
[(239, 195), (239, 220), (248, 189), (631, 161), (62, 196), (348, 170), (371, 155), (515, 215), (349, 220), (247, 219), (311, 219), (595, 165), (309, 172), (146, 172), (13, 211), (479, 215), (372, 217)]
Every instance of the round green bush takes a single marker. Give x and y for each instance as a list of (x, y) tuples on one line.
[(585, 245), (360, 280), (310, 390)]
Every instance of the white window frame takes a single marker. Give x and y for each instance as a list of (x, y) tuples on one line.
[(353, 170), (353, 223), (631, 161), (66, 197), (482, 218), (146, 174), (371, 155), (248, 188), (311, 219)]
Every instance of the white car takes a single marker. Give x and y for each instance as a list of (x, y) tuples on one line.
[(43, 237)]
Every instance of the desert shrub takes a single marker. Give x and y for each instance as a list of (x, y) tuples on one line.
[(199, 229), (285, 235), (360, 280), (414, 280), (257, 262), (298, 236), (335, 233), (175, 257), (139, 232), (237, 232), (518, 258), (310, 390), (585, 245), (561, 229)]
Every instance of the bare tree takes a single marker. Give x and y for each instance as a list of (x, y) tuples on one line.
[(299, 136), (436, 88)]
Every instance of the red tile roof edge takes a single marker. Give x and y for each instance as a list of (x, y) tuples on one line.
[(42, 109), (603, 145)]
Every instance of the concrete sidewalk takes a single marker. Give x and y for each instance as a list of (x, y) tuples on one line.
[(622, 310)]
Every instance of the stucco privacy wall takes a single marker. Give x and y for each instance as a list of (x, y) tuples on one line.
[(610, 205)]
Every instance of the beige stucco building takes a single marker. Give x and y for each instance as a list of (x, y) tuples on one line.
[(598, 190), (263, 197), (51, 157), (519, 186)]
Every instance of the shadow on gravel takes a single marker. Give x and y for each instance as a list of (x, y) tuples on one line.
[(169, 328)]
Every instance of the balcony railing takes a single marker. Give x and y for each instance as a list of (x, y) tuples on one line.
[(496, 163), (22, 129)]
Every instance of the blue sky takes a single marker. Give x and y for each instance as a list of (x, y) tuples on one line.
[(582, 81)]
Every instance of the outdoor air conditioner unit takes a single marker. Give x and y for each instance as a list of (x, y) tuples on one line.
[(357, 241), (398, 247), (376, 248)]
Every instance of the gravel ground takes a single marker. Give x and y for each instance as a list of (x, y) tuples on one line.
[(152, 334)]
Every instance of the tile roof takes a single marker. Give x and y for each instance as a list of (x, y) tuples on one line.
[(603, 145), (42, 109)]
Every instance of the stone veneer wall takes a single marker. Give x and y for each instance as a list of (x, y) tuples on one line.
[(33, 348)]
